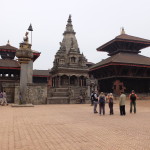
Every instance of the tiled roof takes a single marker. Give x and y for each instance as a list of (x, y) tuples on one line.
[(41, 72), (129, 37), (7, 47), (125, 58), (125, 38), (9, 63)]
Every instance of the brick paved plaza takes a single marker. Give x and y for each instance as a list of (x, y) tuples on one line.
[(74, 127)]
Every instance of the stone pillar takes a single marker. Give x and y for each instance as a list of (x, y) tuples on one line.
[(58, 81), (52, 82), (23, 82), (30, 71), (25, 56), (69, 80)]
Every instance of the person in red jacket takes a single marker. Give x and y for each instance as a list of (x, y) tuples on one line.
[(133, 98)]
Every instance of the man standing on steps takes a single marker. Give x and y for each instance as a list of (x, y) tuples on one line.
[(133, 98)]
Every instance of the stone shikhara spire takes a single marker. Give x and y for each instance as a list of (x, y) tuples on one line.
[(70, 70), (69, 49), (69, 26), (69, 40)]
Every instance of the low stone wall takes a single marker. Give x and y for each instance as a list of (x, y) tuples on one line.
[(37, 93), (10, 91)]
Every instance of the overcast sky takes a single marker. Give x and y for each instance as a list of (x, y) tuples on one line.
[(95, 22)]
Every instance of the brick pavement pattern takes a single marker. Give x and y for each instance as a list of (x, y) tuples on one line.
[(74, 127)]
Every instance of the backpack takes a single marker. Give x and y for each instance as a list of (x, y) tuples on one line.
[(92, 96), (102, 99), (133, 97), (1, 95), (111, 100)]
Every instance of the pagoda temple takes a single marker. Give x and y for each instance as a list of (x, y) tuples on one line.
[(125, 69), (10, 71), (70, 70)]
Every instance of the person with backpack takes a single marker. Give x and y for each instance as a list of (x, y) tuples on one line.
[(102, 100), (92, 99), (110, 103), (95, 101), (133, 98)]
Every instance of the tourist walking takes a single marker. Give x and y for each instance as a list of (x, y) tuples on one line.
[(95, 101), (102, 100), (92, 100), (122, 101), (1, 97), (110, 103), (133, 98), (4, 100)]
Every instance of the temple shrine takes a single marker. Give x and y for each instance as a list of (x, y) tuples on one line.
[(125, 69), (70, 70)]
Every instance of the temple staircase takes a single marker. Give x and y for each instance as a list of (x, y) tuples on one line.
[(58, 96)]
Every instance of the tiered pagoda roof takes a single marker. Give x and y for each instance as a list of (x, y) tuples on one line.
[(8, 52), (8, 48), (124, 43), (9, 64), (124, 50), (124, 59)]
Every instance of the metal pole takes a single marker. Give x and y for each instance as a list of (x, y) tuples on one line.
[(31, 37)]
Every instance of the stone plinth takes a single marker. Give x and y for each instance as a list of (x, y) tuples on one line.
[(22, 105)]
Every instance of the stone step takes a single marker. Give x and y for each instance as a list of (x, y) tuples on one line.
[(58, 100), (61, 89), (60, 94)]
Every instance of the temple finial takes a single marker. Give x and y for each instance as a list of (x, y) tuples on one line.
[(8, 43), (30, 28), (69, 19), (69, 26), (122, 30)]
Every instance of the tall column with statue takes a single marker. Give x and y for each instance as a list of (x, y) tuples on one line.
[(25, 55)]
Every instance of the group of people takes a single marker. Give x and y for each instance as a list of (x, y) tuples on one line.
[(3, 98), (101, 99)]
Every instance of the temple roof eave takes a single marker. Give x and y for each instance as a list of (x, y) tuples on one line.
[(71, 74), (10, 68), (124, 38), (123, 58), (8, 47), (119, 64), (8, 63)]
